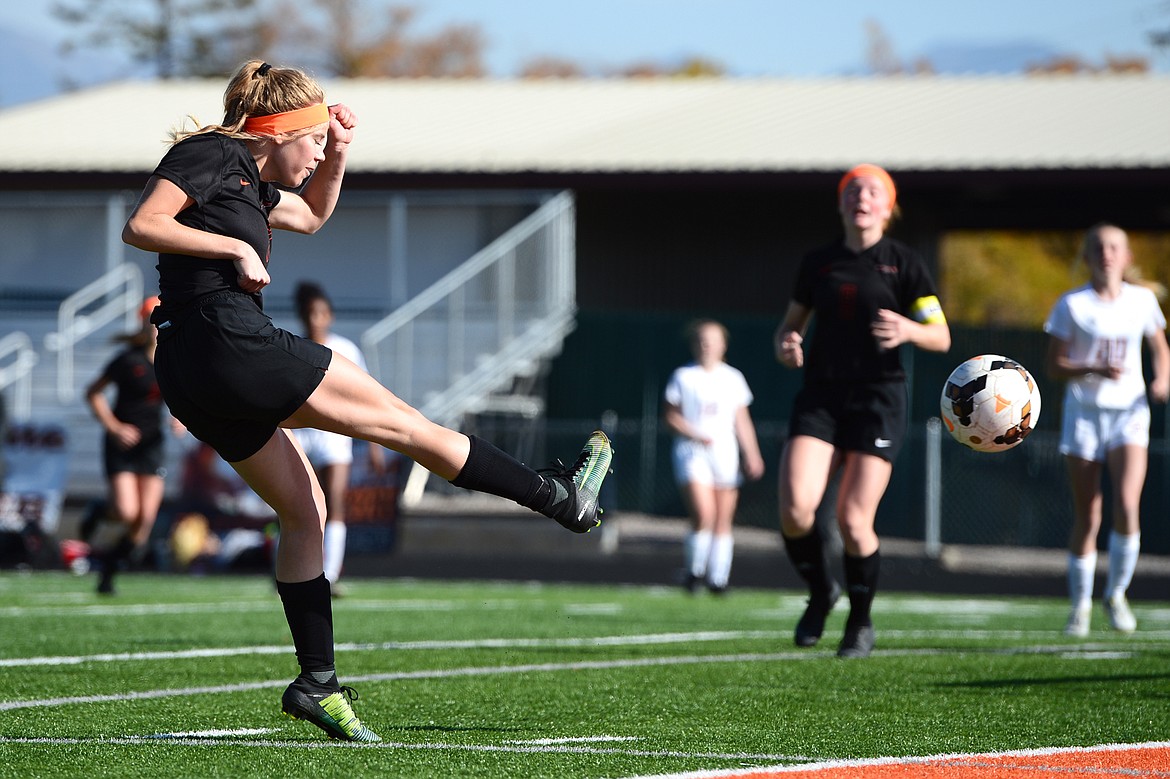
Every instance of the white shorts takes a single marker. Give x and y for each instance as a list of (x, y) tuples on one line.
[(1090, 433), (716, 464), (323, 448)]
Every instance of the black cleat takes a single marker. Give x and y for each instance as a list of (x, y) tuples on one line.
[(326, 708), (811, 625), (575, 504), (857, 643)]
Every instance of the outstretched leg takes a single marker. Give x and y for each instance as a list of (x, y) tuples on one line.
[(351, 402)]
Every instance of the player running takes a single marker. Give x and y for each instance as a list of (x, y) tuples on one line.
[(869, 295)]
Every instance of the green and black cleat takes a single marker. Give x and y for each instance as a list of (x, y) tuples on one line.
[(576, 489), (326, 708)]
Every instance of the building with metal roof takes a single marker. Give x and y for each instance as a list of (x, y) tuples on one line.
[(502, 128), (670, 176), (681, 174)]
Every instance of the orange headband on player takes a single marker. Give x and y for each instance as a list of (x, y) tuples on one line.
[(287, 121), (872, 171)]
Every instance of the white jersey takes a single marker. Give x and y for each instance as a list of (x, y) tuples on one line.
[(1106, 332), (348, 349), (325, 448), (709, 400)]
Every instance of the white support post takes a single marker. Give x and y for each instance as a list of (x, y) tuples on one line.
[(933, 495)]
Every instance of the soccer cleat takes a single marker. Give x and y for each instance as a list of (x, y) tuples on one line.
[(811, 625), (857, 642), (105, 585), (1078, 622), (1120, 616), (689, 582), (327, 709), (575, 489)]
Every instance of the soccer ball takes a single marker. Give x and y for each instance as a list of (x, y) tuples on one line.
[(990, 403)]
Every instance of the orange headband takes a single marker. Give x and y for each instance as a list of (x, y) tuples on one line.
[(287, 121), (872, 171)]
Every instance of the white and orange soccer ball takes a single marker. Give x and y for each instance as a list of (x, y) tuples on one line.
[(990, 403)]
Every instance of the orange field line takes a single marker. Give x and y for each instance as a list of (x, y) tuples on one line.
[(1120, 760)]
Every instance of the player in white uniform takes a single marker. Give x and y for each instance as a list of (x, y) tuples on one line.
[(331, 454), (1096, 345), (707, 408)]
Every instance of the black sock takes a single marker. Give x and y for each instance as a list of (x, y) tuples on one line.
[(308, 609), (861, 576), (807, 554), (491, 470), (112, 559)]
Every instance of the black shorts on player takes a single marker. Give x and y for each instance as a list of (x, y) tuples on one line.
[(145, 458), (855, 417), (230, 375)]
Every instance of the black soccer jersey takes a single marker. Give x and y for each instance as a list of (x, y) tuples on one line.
[(845, 290), (220, 175), (138, 400)]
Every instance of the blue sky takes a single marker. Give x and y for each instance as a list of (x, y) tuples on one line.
[(751, 38)]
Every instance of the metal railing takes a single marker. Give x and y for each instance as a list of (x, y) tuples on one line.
[(489, 320), (475, 330), (18, 373), (120, 295)]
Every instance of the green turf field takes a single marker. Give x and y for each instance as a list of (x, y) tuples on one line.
[(180, 676)]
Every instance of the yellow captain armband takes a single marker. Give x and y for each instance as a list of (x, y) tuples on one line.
[(928, 311)]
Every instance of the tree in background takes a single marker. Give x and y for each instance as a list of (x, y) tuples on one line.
[(185, 38), (346, 38), (172, 37), (1012, 279), (350, 39), (1160, 38), (880, 57)]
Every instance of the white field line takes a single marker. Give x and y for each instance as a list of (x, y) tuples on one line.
[(482, 643), (791, 763), (571, 740), (568, 749), (272, 604), (451, 673), (216, 733), (560, 643), (732, 773), (446, 673)]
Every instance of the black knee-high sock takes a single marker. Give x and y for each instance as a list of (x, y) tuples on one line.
[(121, 550), (861, 577), (807, 554), (488, 469), (309, 612)]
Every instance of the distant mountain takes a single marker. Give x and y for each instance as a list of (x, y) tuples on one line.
[(31, 68), (991, 57)]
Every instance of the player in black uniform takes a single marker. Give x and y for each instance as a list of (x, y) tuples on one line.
[(869, 295), (132, 449), (236, 381)]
